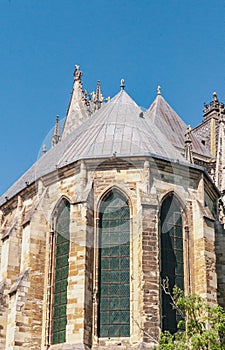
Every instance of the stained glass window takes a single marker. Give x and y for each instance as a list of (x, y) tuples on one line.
[(62, 245), (172, 264), (114, 267)]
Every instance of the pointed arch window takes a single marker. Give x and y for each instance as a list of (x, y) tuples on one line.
[(172, 262), (114, 267), (62, 246)]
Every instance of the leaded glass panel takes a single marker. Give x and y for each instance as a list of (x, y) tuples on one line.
[(172, 264), (114, 267), (62, 246)]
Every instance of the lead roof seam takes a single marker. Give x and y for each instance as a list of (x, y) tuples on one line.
[(103, 117)]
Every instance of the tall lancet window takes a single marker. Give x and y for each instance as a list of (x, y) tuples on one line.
[(62, 246), (114, 267), (172, 263)]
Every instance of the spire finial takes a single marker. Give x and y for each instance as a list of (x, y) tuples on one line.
[(44, 149), (56, 135), (122, 84), (159, 90), (98, 96), (188, 130), (215, 98)]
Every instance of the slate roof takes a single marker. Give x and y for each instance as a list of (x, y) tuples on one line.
[(119, 127), (168, 121)]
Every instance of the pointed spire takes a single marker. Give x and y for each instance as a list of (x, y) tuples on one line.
[(56, 136), (77, 110), (98, 96), (188, 146)]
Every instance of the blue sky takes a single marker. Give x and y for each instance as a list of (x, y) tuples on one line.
[(178, 44)]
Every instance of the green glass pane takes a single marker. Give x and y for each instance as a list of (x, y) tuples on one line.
[(125, 250), (104, 264), (114, 238), (59, 250), (125, 331), (55, 338), (125, 289), (56, 311), (64, 272), (125, 276), (104, 303), (58, 262), (178, 231), (57, 287), (104, 317), (103, 332), (114, 289), (60, 238), (125, 316), (106, 216), (124, 213), (62, 310), (114, 303), (62, 323), (105, 224), (179, 243), (125, 263), (64, 260), (114, 276), (178, 219), (64, 285), (124, 303), (64, 297), (57, 299), (55, 324), (114, 317), (124, 237), (179, 255), (180, 282), (114, 263), (62, 337), (104, 276), (114, 330), (104, 289), (114, 251), (179, 269), (58, 274), (105, 252)]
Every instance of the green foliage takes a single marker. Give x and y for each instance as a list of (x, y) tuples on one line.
[(202, 326)]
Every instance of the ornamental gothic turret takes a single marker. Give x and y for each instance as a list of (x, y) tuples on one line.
[(122, 202)]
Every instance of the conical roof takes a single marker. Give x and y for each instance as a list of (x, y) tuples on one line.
[(161, 114), (119, 127)]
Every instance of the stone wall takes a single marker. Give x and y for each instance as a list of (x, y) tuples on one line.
[(26, 252)]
